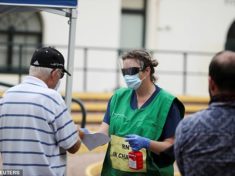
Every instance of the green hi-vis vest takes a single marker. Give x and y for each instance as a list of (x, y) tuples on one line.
[(147, 122)]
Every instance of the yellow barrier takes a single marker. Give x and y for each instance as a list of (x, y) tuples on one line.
[(92, 96), (91, 106), (194, 108), (193, 99), (90, 118)]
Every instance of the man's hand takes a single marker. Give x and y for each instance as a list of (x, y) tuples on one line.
[(137, 142), (83, 131)]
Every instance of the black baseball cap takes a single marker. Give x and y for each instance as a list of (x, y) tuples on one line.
[(48, 57)]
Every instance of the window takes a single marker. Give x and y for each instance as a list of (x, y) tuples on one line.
[(133, 24), (19, 35)]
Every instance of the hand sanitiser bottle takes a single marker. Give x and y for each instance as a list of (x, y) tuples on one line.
[(135, 160)]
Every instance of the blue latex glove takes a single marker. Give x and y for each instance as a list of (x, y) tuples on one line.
[(137, 142)]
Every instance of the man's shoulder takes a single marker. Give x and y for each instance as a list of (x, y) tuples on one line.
[(190, 121), (53, 94), (195, 116), (49, 94), (12, 89)]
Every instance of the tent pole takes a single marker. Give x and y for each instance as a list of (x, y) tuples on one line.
[(70, 61)]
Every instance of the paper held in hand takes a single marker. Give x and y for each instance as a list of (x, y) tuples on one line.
[(93, 140)]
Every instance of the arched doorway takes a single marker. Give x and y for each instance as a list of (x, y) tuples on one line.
[(19, 34), (230, 41)]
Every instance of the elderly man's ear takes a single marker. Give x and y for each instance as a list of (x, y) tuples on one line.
[(213, 88)]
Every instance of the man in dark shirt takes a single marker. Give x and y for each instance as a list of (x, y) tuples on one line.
[(205, 141)]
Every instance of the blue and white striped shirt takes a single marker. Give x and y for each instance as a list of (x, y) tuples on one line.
[(35, 129)]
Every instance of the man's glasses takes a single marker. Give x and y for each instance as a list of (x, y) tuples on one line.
[(131, 71), (61, 74)]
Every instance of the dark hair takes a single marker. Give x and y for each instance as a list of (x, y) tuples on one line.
[(222, 70), (145, 58)]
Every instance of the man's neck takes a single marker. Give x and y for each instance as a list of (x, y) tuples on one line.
[(223, 97)]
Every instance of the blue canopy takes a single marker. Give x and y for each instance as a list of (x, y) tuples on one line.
[(41, 3)]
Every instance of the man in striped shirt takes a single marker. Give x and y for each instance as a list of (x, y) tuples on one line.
[(36, 128)]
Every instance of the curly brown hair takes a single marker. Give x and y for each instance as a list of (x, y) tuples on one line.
[(145, 59)]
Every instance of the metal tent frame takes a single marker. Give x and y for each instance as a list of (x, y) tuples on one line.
[(66, 8)]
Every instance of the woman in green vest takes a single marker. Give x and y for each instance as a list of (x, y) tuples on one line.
[(142, 117)]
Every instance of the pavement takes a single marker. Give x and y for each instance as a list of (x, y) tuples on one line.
[(78, 164)]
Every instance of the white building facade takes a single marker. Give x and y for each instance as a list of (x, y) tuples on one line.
[(183, 35)]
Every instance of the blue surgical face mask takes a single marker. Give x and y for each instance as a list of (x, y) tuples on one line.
[(133, 81)]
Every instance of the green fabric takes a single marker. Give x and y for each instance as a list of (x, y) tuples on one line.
[(147, 122)]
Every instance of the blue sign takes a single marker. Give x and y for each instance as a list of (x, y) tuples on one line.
[(41, 3)]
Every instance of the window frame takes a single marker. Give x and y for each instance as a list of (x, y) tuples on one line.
[(142, 12), (10, 35)]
